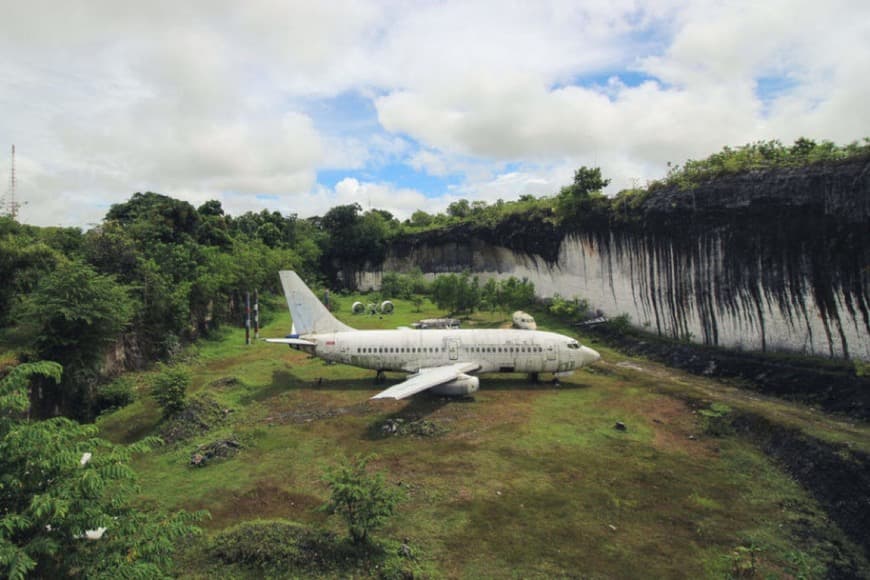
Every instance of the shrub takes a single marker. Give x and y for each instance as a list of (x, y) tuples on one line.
[(573, 310), (621, 323), (261, 543), (169, 388), (364, 501), (199, 414), (114, 395), (716, 420), (287, 549)]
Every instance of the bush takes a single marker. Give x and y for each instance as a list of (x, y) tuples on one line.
[(169, 388), (716, 420), (114, 395), (262, 543), (395, 285), (200, 414), (621, 323), (574, 310), (364, 501), (287, 549)]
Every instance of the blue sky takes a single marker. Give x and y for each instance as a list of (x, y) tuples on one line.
[(299, 106)]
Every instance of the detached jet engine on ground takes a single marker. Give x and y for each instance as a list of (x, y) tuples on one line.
[(442, 361)]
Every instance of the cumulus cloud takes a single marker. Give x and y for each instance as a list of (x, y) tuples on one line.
[(401, 202), (222, 99)]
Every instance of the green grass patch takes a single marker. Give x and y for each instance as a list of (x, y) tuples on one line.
[(528, 480)]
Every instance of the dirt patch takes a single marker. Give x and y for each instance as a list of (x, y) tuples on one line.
[(675, 428), (225, 383), (673, 420), (264, 500), (308, 412)]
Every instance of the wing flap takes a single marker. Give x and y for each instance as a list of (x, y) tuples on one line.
[(426, 379)]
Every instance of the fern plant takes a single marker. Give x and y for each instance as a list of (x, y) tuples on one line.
[(61, 485)]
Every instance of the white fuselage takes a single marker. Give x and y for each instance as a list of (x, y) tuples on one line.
[(495, 350)]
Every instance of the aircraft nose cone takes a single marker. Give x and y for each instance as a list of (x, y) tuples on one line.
[(589, 355)]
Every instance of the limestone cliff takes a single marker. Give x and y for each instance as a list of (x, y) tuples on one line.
[(764, 260)]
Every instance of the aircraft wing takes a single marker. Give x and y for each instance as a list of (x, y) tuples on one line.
[(426, 379), (291, 341)]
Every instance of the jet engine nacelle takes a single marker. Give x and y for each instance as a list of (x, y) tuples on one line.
[(386, 307), (358, 307), (458, 387)]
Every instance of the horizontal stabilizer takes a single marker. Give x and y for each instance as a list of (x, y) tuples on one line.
[(291, 341)]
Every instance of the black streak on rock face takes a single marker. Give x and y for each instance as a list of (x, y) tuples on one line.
[(791, 243), (771, 238)]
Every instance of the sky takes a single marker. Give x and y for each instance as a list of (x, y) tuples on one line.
[(402, 105)]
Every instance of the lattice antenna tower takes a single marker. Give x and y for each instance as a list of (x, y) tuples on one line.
[(12, 205)]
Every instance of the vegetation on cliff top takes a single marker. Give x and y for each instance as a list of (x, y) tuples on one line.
[(583, 200)]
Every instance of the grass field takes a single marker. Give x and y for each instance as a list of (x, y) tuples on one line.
[(527, 480)]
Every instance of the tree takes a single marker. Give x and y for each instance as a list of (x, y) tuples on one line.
[(489, 298), (420, 218), (587, 181), (515, 294), (58, 481), (23, 261), (71, 317), (456, 293), (169, 389), (459, 209), (394, 285), (363, 500), (153, 216), (575, 199)]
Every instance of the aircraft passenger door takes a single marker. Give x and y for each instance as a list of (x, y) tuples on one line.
[(453, 348), (551, 352)]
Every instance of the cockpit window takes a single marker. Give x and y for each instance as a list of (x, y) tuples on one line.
[(574, 345)]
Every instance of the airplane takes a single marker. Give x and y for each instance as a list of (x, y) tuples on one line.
[(441, 361)]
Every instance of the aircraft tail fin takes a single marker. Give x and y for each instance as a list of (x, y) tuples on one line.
[(309, 315)]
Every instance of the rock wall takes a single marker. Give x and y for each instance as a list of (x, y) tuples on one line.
[(766, 260)]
